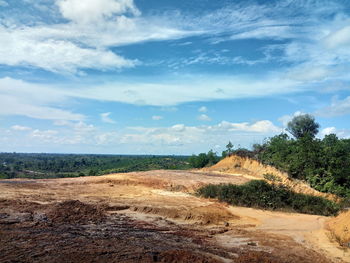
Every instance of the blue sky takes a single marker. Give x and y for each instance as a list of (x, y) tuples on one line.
[(168, 77)]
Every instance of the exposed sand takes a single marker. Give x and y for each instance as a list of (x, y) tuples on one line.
[(253, 169), (340, 228), (176, 226)]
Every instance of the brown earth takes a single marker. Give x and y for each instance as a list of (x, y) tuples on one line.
[(340, 228), (150, 217), (253, 169)]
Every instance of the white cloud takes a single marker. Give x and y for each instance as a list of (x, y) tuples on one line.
[(191, 137), (157, 118), (339, 38), (85, 43), (78, 136), (328, 130), (287, 118), (20, 128), (105, 117), (192, 89), (203, 109), (20, 49), (263, 126), (341, 133), (45, 136), (33, 100), (337, 108), (3, 3), (204, 117), (94, 10)]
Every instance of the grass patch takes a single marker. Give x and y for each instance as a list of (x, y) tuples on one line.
[(260, 194)]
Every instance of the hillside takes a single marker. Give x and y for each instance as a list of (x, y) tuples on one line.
[(253, 169)]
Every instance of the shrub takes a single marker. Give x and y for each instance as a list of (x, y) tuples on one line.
[(260, 194), (203, 159)]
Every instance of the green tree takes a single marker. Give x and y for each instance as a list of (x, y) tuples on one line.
[(303, 125), (229, 150)]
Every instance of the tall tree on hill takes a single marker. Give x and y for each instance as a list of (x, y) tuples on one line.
[(229, 150), (303, 125)]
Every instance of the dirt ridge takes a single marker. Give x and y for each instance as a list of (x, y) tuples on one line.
[(255, 170)]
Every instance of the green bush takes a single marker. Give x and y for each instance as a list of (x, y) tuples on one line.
[(203, 159), (260, 194)]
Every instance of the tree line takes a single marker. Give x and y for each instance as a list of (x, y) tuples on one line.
[(32, 165)]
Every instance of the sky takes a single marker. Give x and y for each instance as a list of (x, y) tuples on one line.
[(169, 77)]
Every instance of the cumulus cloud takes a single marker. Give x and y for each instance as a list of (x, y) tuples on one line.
[(204, 117), (105, 117), (203, 109), (94, 10), (192, 137), (19, 48), (341, 133), (44, 136), (85, 43), (263, 126), (328, 130), (287, 118), (177, 139), (20, 128)]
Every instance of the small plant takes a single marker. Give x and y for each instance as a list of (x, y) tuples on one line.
[(272, 178)]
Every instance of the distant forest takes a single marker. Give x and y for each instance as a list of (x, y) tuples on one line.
[(40, 165)]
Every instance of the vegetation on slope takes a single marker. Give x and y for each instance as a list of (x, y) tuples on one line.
[(20, 165), (260, 194), (323, 163)]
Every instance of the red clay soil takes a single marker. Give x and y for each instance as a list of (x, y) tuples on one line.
[(72, 231), (76, 212)]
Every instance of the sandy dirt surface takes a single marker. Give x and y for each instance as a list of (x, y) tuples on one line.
[(150, 217), (340, 228)]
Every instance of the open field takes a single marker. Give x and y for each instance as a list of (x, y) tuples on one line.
[(150, 217)]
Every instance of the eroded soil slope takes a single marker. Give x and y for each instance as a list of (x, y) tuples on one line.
[(340, 228), (149, 217), (253, 169)]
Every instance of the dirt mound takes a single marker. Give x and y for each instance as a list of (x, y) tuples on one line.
[(211, 214), (76, 212), (255, 170), (340, 228)]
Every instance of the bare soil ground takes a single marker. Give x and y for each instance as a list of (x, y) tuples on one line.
[(150, 217), (340, 228)]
